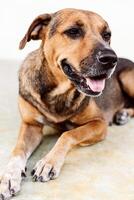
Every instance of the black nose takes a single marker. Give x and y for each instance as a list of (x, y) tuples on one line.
[(107, 56)]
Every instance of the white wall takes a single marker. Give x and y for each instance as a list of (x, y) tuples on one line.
[(16, 16)]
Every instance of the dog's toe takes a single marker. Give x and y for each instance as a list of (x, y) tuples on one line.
[(122, 117), (49, 172)]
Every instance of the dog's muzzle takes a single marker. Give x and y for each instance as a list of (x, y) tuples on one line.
[(91, 80)]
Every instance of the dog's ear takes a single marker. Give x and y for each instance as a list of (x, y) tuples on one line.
[(35, 30)]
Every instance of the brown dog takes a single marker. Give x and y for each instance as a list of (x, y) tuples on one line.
[(61, 84)]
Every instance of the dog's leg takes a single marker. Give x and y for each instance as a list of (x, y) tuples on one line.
[(49, 166), (127, 82), (29, 138)]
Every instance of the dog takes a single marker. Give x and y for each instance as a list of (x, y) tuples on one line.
[(73, 82)]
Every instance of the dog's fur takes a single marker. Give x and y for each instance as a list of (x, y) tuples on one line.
[(50, 92)]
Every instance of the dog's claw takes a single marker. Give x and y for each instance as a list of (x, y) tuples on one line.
[(12, 192), (32, 172), (9, 185), (35, 178), (40, 178), (110, 123), (52, 174), (23, 174), (2, 197)]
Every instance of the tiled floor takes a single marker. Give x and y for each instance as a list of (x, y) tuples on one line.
[(104, 171)]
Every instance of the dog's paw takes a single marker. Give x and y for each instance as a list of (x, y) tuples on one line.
[(11, 180), (47, 168), (122, 117)]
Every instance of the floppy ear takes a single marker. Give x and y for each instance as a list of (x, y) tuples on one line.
[(35, 29)]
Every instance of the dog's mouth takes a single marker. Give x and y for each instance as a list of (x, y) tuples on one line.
[(89, 85), (96, 83)]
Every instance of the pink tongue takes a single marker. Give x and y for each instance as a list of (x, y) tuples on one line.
[(96, 85)]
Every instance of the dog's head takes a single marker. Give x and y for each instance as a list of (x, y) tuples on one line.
[(76, 45)]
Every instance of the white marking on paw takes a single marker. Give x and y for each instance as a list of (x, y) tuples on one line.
[(11, 179)]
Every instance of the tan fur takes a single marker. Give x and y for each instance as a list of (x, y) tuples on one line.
[(91, 112), (30, 136), (30, 114)]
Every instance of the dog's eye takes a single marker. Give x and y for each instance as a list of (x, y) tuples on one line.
[(106, 36), (74, 33)]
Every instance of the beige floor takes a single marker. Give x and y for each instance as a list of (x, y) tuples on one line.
[(104, 171)]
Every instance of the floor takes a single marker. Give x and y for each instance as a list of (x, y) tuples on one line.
[(104, 171)]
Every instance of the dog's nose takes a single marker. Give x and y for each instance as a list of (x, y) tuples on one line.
[(107, 57)]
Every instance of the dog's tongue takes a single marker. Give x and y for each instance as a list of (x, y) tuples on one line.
[(96, 85)]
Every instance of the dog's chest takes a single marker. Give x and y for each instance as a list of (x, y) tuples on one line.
[(65, 105), (58, 108)]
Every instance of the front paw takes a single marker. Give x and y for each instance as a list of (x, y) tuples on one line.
[(11, 180), (47, 168)]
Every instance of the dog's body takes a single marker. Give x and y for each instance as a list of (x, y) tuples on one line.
[(59, 85), (60, 104)]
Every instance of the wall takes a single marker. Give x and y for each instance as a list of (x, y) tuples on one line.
[(16, 16)]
